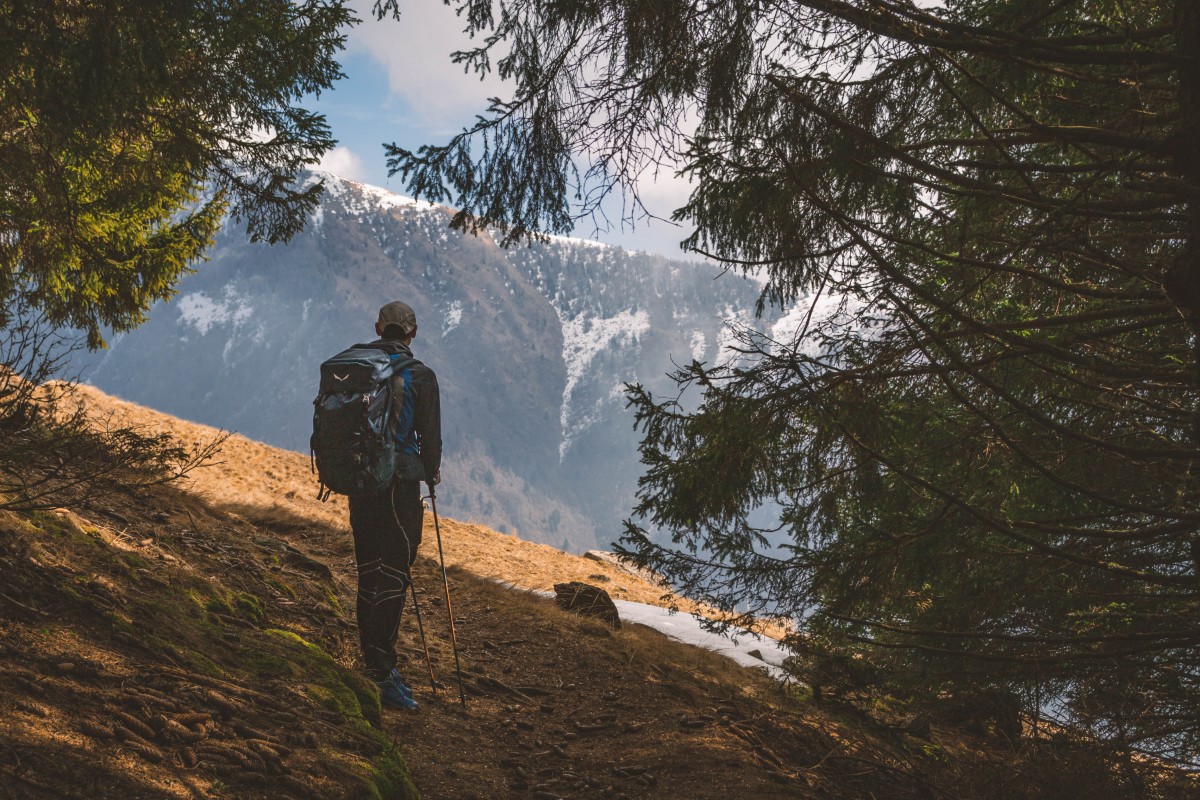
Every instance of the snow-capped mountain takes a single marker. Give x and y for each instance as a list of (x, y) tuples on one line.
[(532, 347)]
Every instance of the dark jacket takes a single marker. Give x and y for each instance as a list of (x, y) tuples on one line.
[(416, 413)]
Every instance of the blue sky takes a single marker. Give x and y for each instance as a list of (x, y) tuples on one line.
[(401, 87)]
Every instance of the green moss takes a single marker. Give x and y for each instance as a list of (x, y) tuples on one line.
[(121, 623), (179, 621), (240, 604), (21, 524), (202, 663), (159, 609), (288, 636), (390, 774), (248, 607), (354, 698), (281, 586), (218, 605), (332, 599), (331, 699), (368, 699), (43, 520), (328, 683), (267, 666), (133, 560), (188, 657), (383, 778)]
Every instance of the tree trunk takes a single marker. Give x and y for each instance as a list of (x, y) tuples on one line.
[(1182, 281)]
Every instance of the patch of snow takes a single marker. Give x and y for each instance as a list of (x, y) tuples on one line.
[(451, 317), (584, 337), (731, 321), (567, 240), (686, 628), (361, 199), (736, 644), (824, 309), (786, 327), (699, 345), (202, 312)]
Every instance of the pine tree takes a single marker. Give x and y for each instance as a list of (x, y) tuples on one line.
[(985, 462), (129, 130)]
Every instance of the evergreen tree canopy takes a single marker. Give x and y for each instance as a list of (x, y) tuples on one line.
[(986, 461), (128, 130)]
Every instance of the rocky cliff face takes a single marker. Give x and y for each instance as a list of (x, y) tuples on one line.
[(532, 347)]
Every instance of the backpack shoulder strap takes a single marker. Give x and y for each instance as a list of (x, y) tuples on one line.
[(396, 352), (391, 348)]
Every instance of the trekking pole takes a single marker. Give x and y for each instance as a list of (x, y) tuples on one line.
[(462, 695), (424, 644)]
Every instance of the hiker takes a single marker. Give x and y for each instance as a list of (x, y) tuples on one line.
[(387, 526)]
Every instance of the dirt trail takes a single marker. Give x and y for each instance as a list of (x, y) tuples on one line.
[(153, 652)]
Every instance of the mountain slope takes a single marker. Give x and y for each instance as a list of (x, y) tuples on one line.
[(532, 347), (198, 642)]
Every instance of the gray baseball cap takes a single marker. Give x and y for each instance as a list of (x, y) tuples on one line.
[(397, 313)]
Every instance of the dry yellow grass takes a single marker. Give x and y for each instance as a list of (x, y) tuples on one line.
[(280, 483)]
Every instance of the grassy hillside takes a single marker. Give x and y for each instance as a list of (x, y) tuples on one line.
[(197, 641)]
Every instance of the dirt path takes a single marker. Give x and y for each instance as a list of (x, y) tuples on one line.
[(201, 644), (158, 649)]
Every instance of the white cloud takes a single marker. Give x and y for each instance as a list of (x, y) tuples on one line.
[(343, 162), (660, 191), (660, 194), (415, 52)]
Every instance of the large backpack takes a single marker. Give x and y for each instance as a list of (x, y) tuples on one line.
[(353, 443)]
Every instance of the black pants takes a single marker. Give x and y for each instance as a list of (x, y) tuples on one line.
[(387, 532)]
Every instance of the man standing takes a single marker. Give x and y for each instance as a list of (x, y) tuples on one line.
[(387, 526)]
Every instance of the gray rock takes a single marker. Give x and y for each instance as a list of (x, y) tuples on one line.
[(591, 601)]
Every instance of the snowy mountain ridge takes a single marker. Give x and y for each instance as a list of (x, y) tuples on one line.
[(532, 347)]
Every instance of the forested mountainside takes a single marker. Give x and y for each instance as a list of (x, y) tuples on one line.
[(532, 347)]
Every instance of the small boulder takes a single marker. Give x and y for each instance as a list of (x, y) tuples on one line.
[(591, 601)]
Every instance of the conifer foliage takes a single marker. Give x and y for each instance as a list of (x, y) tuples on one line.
[(984, 461), (129, 129)]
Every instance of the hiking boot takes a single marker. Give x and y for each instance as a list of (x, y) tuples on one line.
[(398, 679), (393, 693)]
